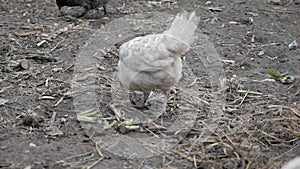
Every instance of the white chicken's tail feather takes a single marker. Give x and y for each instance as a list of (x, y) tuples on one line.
[(183, 27)]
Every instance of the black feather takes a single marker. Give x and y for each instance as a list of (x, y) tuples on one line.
[(86, 4)]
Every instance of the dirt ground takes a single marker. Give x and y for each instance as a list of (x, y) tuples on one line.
[(260, 125)]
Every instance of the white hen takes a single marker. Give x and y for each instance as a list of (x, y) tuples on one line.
[(154, 61), (293, 164)]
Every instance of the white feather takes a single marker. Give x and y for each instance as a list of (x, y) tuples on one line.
[(153, 61)]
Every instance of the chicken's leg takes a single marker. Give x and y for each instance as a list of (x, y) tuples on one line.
[(164, 108), (104, 9), (140, 104)]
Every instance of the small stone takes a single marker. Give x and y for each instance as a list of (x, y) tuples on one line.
[(247, 21), (261, 53), (24, 64), (63, 120), (293, 45), (208, 3), (32, 145)]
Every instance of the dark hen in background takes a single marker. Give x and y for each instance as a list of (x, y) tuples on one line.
[(86, 4)]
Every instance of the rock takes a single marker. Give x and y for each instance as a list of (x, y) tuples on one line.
[(23, 65), (293, 45)]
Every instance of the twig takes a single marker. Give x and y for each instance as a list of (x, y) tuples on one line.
[(36, 56), (292, 132), (69, 67), (196, 99), (287, 152), (182, 155), (77, 156), (229, 139), (100, 159), (118, 114), (192, 84), (41, 43), (249, 92), (27, 33), (229, 61), (249, 164), (278, 11), (59, 101), (242, 100), (293, 110), (281, 119), (108, 79), (47, 81), (195, 162), (5, 88), (51, 50), (53, 117), (269, 135), (77, 161)]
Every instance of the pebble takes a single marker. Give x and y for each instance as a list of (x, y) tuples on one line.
[(293, 45), (261, 53), (208, 3), (32, 145)]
